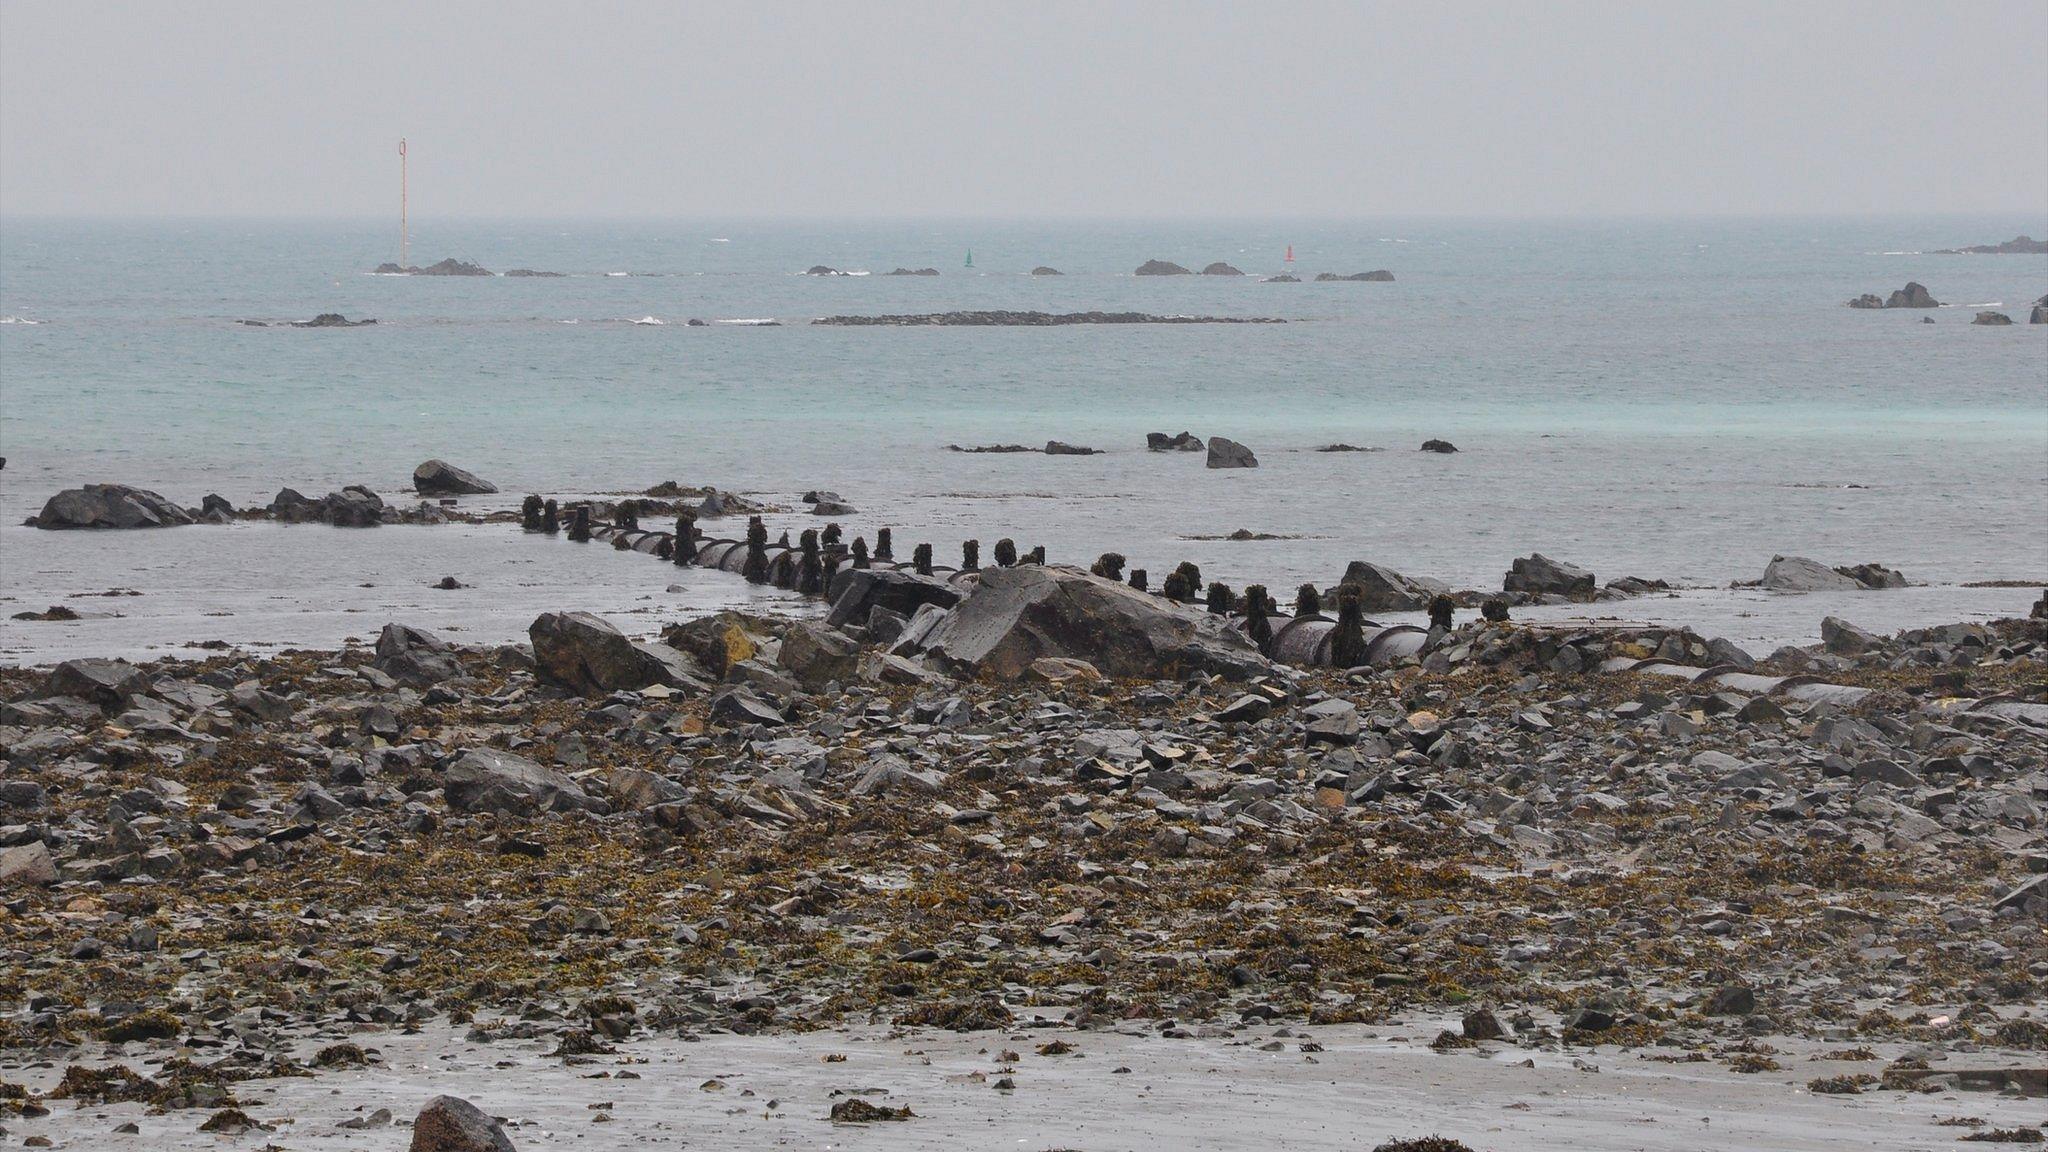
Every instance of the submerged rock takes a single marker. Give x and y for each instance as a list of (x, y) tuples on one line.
[(1799, 574), (912, 272), (1377, 275), (1046, 270), (110, 506), (1992, 319), (1019, 615), (1003, 318), (330, 320), (1913, 295), (440, 478), (1161, 442), (531, 273), (448, 267), (1058, 448)]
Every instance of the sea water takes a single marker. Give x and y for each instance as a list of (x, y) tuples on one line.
[(1678, 399)]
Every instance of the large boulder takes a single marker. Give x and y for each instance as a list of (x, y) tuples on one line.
[(1388, 591), (1539, 575), (452, 1124), (1020, 615), (110, 506), (414, 656), (440, 478), (27, 866), (491, 780), (107, 683), (586, 655), (1160, 268), (858, 591), (1798, 574), (815, 655), (2040, 313), (1225, 453)]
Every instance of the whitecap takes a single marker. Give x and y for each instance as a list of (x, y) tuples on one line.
[(18, 320), (648, 320), (720, 240), (753, 320), (618, 273)]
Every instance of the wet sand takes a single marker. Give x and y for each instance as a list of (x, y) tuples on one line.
[(1223, 1091)]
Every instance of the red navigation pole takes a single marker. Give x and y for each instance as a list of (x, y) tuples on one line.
[(404, 237)]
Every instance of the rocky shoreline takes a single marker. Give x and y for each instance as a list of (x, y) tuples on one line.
[(970, 799)]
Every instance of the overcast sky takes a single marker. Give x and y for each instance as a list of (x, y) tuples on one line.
[(1109, 108)]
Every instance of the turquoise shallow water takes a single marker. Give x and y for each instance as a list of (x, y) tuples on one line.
[(1665, 398)]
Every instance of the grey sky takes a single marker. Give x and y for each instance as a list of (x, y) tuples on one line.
[(1098, 109)]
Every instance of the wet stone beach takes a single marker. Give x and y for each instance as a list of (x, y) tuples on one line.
[(1015, 816)]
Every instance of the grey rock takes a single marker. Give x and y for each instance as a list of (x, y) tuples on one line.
[(1388, 591), (1161, 442), (414, 656), (816, 655), (491, 780), (440, 478), (1538, 574), (1160, 268), (1018, 615), (452, 1124), (110, 506), (1225, 453), (1845, 639), (107, 683), (858, 591), (27, 866), (1799, 574), (584, 654)]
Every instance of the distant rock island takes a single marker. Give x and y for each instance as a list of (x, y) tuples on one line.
[(448, 267), (1283, 278), (1045, 270), (527, 272), (912, 272), (2017, 246), (323, 320), (1161, 268), (1377, 275), (1004, 319), (1219, 268), (1913, 295), (824, 270)]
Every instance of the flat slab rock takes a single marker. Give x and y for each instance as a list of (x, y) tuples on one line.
[(1019, 615)]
